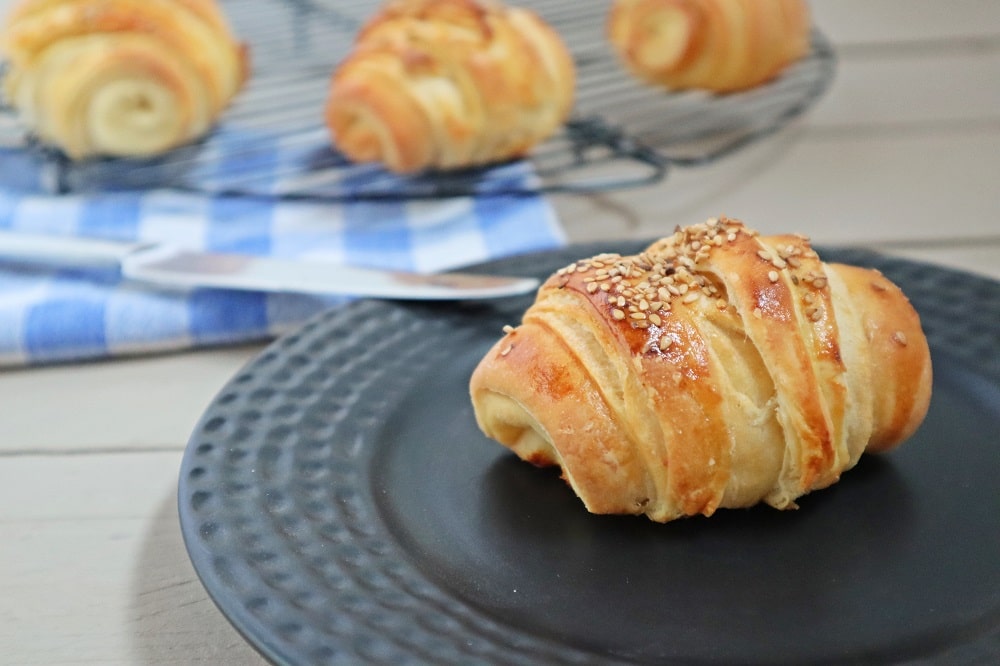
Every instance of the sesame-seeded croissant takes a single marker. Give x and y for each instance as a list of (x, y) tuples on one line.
[(449, 84), (120, 77), (718, 368), (716, 45)]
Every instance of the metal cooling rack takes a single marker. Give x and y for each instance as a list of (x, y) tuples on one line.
[(272, 141)]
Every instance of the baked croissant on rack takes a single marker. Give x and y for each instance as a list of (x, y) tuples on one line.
[(449, 84), (120, 77), (716, 45), (718, 368)]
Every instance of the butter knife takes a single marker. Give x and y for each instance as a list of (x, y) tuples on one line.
[(167, 265)]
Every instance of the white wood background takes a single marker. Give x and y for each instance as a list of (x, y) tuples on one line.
[(903, 154)]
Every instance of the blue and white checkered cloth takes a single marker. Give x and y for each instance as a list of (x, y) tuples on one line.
[(71, 315)]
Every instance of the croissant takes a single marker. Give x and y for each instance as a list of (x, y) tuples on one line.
[(120, 77), (449, 84), (716, 45), (718, 368)]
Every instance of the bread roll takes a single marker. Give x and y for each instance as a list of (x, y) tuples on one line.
[(716, 45), (718, 368), (120, 77), (447, 84)]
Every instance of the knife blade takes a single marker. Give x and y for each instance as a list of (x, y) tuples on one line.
[(168, 265)]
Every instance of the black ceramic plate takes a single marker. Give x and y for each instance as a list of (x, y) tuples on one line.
[(340, 506)]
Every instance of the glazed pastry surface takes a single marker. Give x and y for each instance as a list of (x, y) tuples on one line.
[(718, 368)]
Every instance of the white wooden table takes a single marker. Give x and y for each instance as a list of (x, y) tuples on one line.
[(903, 155)]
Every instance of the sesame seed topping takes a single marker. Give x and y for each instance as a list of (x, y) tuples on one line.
[(681, 268), (899, 337), (506, 350), (508, 328)]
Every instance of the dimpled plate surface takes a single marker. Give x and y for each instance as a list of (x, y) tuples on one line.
[(341, 507)]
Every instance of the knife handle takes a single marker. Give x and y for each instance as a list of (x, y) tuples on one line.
[(63, 251)]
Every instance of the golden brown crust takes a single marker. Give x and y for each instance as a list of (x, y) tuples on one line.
[(448, 84), (717, 45), (121, 77), (892, 330), (716, 369)]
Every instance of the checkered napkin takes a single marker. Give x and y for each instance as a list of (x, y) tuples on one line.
[(69, 315)]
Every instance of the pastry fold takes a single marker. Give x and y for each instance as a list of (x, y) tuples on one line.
[(447, 84), (121, 78), (716, 45), (718, 368)]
